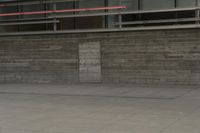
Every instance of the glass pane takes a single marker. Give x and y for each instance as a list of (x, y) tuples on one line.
[(65, 6), (8, 9), (90, 22), (132, 5), (90, 4), (157, 4), (111, 21), (158, 16), (36, 27), (66, 23), (33, 8), (8, 29), (186, 14), (113, 2), (186, 3)]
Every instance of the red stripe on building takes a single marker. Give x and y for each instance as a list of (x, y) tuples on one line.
[(62, 11)]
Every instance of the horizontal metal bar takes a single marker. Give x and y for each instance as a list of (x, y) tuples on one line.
[(26, 19), (6, 3), (159, 21), (121, 12), (32, 22), (92, 14), (62, 11), (107, 13), (69, 16), (189, 26), (162, 10), (83, 15)]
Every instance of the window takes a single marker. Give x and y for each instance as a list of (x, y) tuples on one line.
[(93, 19), (90, 22), (90, 4), (32, 8), (132, 5), (66, 23), (11, 28), (186, 3), (157, 4)]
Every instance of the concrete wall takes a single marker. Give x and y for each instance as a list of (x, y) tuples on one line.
[(38, 59), (142, 57), (89, 62)]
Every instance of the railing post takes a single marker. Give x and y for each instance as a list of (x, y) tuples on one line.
[(197, 12), (54, 24), (120, 16), (120, 20)]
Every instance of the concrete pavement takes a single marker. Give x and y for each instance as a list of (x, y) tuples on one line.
[(95, 108)]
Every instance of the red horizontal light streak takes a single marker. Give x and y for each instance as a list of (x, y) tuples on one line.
[(2, 5), (62, 11)]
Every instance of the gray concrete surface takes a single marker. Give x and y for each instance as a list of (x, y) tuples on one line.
[(94, 108), (165, 57)]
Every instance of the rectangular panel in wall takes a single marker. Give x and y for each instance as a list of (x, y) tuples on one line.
[(89, 62)]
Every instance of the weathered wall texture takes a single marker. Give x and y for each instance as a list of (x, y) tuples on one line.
[(143, 57), (89, 62), (38, 59), (157, 57)]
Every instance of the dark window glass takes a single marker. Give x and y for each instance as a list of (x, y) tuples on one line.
[(186, 14), (65, 6), (158, 16), (6, 19), (8, 29), (33, 27), (90, 22), (8, 9), (66, 23), (33, 8), (131, 17)]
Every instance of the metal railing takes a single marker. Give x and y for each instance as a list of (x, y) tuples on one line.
[(53, 16)]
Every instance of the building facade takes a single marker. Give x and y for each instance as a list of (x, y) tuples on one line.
[(96, 15), (104, 41)]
